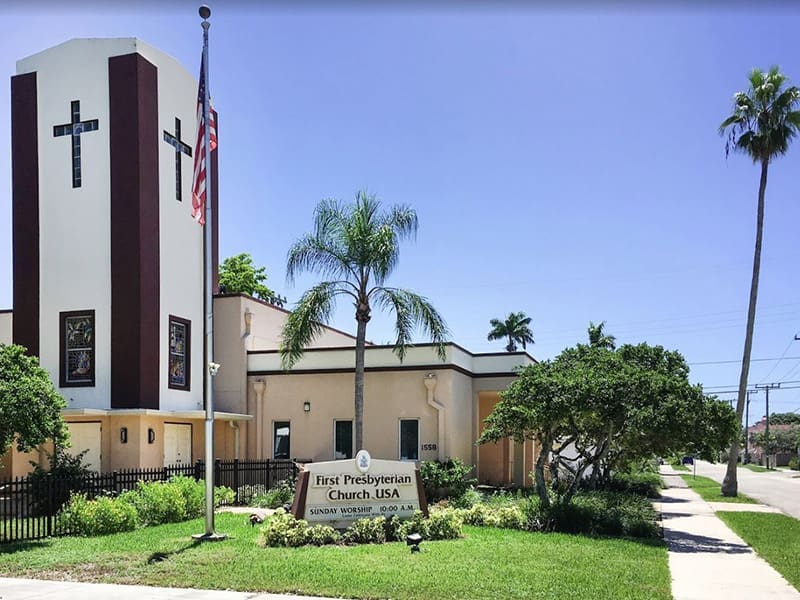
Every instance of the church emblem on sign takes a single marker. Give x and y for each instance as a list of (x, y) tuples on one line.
[(363, 461)]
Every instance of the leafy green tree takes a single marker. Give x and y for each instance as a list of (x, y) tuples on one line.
[(764, 122), (516, 328), (602, 409), (30, 407), (784, 419), (598, 338), (357, 247), (239, 275), (780, 440)]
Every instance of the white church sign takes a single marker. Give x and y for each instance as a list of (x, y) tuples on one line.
[(340, 492)]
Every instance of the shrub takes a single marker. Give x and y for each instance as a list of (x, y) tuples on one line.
[(51, 489), (532, 514), (444, 525), (503, 498), (278, 496), (794, 463), (157, 502), (601, 513), (223, 495), (643, 483), (248, 492), (366, 531), (416, 524), (391, 529), (193, 493), (475, 515), (508, 516), (100, 516), (445, 479), (468, 499), (282, 529), (321, 535), (179, 499)]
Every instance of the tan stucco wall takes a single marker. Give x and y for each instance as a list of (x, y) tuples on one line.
[(5, 327), (388, 397), (229, 352)]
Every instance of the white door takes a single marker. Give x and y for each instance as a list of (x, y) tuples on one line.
[(87, 436), (177, 444)]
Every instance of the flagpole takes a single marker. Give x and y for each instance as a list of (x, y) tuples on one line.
[(210, 368)]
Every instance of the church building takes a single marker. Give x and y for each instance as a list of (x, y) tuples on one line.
[(108, 293)]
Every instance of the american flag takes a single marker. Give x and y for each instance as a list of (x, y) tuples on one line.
[(199, 181)]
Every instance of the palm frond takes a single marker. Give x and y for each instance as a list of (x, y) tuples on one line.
[(516, 328), (762, 125), (413, 311), (403, 220), (307, 320), (311, 253)]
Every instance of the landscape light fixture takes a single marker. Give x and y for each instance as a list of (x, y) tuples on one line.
[(307, 406), (414, 540)]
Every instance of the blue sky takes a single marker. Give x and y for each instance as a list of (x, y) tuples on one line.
[(563, 163)]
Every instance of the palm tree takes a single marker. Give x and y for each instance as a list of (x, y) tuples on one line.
[(515, 328), (357, 247), (765, 120), (598, 338)]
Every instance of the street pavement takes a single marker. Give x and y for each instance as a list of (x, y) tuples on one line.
[(707, 560), (780, 489)]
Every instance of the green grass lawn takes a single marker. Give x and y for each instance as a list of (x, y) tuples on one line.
[(755, 468), (679, 467), (710, 490), (486, 563), (774, 536)]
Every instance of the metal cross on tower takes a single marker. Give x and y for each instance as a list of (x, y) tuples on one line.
[(74, 129), (180, 146)]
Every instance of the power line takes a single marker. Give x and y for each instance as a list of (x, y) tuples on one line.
[(727, 362), (783, 354)]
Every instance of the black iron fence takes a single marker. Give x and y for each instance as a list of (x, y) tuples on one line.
[(29, 506)]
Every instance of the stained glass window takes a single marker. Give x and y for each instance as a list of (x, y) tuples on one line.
[(77, 348), (179, 353)]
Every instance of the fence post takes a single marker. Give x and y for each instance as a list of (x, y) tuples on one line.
[(236, 478), (269, 474), (48, 513), (217, 472), (198, 470)]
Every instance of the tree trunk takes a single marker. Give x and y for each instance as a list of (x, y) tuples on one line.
[(730, 485), (361, 337), (541, 460)]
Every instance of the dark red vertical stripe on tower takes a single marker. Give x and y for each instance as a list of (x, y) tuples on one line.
[(25, 211), (134, 137)]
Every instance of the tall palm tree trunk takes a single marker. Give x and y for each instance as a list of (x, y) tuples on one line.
[(361, 337), (730, 485)]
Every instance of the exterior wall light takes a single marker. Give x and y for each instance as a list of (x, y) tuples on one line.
[(307, 406), (151, 435), (123, 435), (248, 321)]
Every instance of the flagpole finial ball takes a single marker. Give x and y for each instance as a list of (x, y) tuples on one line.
[(204, 11)]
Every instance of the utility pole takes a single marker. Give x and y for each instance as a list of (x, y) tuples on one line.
[(767, 387), (746, 427)]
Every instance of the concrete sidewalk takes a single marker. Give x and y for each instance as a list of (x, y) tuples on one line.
[(35, 589), (708, 561)]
